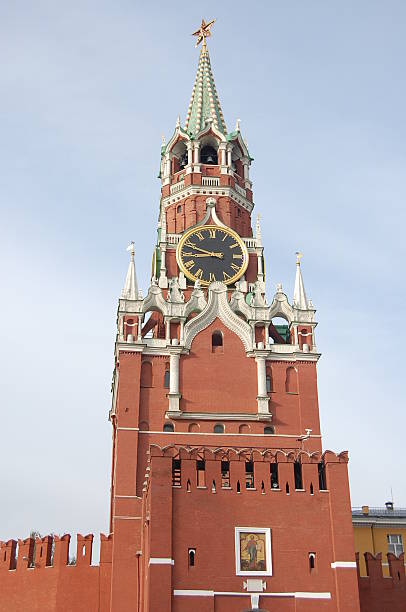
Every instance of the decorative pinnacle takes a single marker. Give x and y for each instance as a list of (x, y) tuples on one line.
[(298, 257), (131, 248), (203, 32)]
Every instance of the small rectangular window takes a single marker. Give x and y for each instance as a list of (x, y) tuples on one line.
[(249, 475), (274, 475), (225, 473), (176, 473), (191, 557), (298, 475), (201, 473), (395, 544)]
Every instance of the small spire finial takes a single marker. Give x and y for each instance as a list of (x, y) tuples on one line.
[(298, 257), (130, 289), (237, 125), (178, 122), (203, 32), (163, 140)]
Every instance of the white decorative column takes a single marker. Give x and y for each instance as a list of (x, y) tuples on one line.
[(262, 397), (174, 395), (229, 160), (139, 337), (196, 156), (189, 157)]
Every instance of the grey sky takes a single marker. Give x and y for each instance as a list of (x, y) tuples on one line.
[(86, 90)]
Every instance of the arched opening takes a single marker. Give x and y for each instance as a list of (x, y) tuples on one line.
[(218, 428), (208, 156), (269, 387), (217, 342), (144, 426), (146, 374), (244, 429), (168, 427), (298, 473), (269, 430), (179, 158), (312, 561), (166, 377), (192, 556), (179, 209), (279, 330), (193, 427), (291, 380)]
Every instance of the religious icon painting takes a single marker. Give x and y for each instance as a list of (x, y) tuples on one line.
[(253, 555)]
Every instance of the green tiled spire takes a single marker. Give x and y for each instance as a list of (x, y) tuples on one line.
[(204, 103)]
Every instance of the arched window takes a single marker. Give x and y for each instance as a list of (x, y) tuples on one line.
[(146, 374), (179, 209), (218, 428), (312, 561), (269, 430), (208, 155), (291, 380), (217, 342), (192, 555), (193, 427), (168, 427), (166, 377), (269, 387), (243, 429)]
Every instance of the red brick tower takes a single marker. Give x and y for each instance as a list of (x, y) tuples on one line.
[(221, 497)]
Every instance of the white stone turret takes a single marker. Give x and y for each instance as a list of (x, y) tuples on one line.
[(130, 289), (299, 293)]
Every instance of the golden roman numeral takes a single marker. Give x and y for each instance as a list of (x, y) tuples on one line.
[(234, 267), (199, 273), (212, 233), (237, 256), (189, 264), (225, 276), (233, 246), (189, 244), (224, 237), (199, 235), (211, 277)]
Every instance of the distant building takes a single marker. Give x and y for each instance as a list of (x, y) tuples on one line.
[(379, 530)]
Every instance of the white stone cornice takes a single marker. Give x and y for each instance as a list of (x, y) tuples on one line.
[(191, 190)]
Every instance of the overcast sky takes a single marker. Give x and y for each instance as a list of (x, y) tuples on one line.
[(86, 90)]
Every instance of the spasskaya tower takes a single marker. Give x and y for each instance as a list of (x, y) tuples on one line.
[(222, 498)]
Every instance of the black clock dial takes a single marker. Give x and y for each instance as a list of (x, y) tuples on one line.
[(212, 253)]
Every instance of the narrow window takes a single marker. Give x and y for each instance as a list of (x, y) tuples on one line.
[(291, 381), (312, 561), (176, 473), (188, 486), (249, 475), (168, 427), (217, 342), (287, 488), (201, 473), (238, 487), (297, 468), (269, 430), (395, 544), (322, 476), (166, 378), (262, 487), (225, 474), (179, 209), (311, 489), (146, 374), (219, 428), (269, 380), (213, 486), (191, 556), (274, 475)]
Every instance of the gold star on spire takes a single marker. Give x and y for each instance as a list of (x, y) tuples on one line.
[(203, 32)]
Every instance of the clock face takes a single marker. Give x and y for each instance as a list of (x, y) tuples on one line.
[(211, 253)]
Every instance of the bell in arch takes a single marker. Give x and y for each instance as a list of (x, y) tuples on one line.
[(209, 155)]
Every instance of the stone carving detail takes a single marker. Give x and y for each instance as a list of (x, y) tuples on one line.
[(218, 307)]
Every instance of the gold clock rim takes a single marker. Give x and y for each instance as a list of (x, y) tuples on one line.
[(227, 230)]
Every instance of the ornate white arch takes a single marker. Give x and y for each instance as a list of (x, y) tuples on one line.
[(218, 307)]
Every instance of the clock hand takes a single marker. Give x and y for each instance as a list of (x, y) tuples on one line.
[(211, 254)]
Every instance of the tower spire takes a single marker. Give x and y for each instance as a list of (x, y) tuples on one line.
[(130, 289), (204, 104), (299, 293)]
